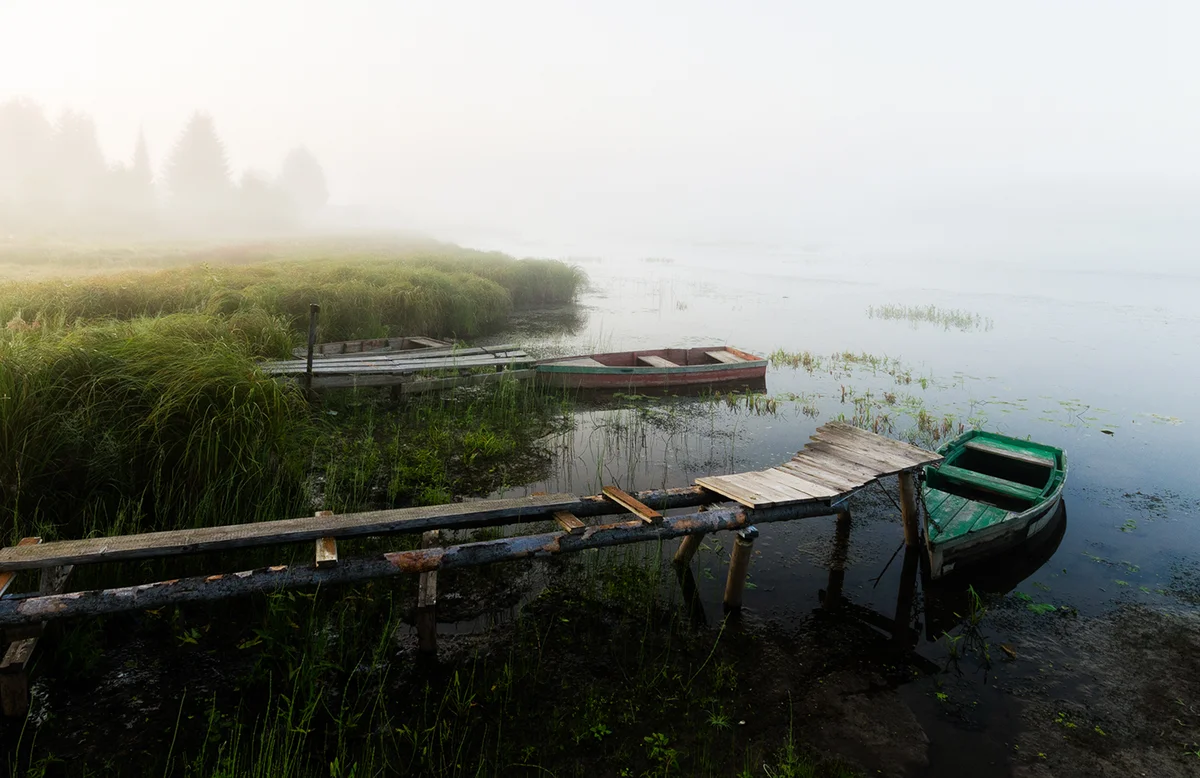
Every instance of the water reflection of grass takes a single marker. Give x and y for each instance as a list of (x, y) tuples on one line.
[(946, 318)]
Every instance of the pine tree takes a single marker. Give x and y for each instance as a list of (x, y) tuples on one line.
[(197, 171), (303, 181)]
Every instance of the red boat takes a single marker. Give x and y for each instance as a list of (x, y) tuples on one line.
[(658, 368)]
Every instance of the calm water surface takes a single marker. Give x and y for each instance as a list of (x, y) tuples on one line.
[(1063, 355)]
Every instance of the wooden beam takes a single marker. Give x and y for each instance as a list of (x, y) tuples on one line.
[(569, 522), (326, 552), (427, 603), (7, 577), (270, 533), (623, 498), (14, 668), (32, 609)]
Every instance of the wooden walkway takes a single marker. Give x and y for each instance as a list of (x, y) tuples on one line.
[(405, 367), (840, 460)]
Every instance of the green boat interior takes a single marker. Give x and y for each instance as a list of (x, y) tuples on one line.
[(983, 480)]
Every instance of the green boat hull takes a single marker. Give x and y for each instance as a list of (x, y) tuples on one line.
[(990, 493)]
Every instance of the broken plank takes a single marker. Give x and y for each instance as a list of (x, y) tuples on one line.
[(569, 522), (631, 503), (326, 552)]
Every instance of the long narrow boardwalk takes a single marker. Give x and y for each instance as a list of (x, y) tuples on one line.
[(403, 367), (816, 482)]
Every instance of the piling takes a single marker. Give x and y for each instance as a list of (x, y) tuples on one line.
[(739, 564), (908, 509), (313, 310), (427, 603), (837, 561)]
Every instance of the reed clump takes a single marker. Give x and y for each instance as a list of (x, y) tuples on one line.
[(372, 295), (169, 413)]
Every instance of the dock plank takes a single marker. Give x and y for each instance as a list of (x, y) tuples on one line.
[(825, 462), (728, 486), (800, 484), (910, 452), (882, 464), (875, 449), (777, 492), (836, 482), (6, 578), (267, 533)]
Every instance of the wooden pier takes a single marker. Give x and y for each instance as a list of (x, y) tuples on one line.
[(839, 461), (417, 370)]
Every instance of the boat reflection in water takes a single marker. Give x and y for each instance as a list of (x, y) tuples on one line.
[(947, 600)]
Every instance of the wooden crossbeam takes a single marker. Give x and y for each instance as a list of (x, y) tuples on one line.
[(632, 504)]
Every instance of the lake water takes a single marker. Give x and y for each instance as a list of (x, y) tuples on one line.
[(1100, 362)]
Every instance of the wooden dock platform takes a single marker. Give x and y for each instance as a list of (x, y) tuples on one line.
[(838, 461), (416, 370)]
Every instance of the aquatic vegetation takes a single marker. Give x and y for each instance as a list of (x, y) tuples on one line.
[(430, 292), (946, 318)]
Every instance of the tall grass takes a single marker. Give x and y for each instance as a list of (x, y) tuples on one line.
[(168, 414), (439, 293)]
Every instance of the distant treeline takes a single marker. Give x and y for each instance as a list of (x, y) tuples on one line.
[(55, 179)]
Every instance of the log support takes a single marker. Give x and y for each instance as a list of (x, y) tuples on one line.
[(739, 564), (687, 550), (427, 604), (14, 667), (837, 561), (908, 508)]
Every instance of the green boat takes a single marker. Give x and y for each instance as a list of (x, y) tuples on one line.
[(990, 493)]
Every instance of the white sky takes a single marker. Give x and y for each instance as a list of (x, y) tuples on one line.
[(634, 116)]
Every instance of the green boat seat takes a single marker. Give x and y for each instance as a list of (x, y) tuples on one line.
[(959, 475)]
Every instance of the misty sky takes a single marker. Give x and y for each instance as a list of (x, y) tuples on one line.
[(785, 119)]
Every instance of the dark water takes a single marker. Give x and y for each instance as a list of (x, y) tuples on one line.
[(1100, 362)]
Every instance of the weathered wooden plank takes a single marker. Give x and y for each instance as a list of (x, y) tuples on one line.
[(726, 486), (778, 493), (795, 483), (25, 610), (861, 456), (410, 384), (427, 602), (403, 355), (630, 502), (405, 366), (326, 552), (266, 533), (7, 577), (820, 477), (913, 453), (819, 474), (653, 360), (825, 462), (569, 522), (868, 448), (725, 356)]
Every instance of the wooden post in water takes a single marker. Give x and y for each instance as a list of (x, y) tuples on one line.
[(427, 603), (902, 632), (687, 549), (837, 561), (739, 563), (908, 508), (313, 310)]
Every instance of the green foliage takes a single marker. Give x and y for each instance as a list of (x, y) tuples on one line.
[(430, 290)]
